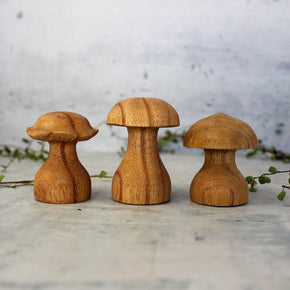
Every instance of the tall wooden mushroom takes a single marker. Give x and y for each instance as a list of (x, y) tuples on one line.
[(219, 182), (62, 178), (141, 177)]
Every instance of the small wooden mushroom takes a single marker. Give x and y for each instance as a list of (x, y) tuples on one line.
[(219, 182), (62, 178), (141, 177)]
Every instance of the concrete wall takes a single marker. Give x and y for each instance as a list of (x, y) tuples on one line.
[(202, 57)]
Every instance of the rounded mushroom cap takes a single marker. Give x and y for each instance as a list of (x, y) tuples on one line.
[(62, 127), (143, 112), (220, 131)]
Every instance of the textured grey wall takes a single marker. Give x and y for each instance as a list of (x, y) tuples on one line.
[(202, 57)]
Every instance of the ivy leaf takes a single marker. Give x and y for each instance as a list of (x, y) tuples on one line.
[(7, 150), (168, 133), (262, 179), (1, 177), (251, 153), (289, 180), (24, 140), (272, 149), (253, 189), (102, 174), (249, 179), (281, 195), (272, 169)]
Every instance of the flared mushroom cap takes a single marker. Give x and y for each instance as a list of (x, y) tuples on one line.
[(62, 127), (143, 112), (220, 131)]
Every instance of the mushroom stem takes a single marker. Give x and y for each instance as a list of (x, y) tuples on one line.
[(141, 177), (62, 178), (219, 182)]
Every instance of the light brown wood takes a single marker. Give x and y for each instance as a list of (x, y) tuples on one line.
[(62, 178), (219, 182), (141, 177)]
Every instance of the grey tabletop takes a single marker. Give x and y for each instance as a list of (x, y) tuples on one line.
[(103, 244)]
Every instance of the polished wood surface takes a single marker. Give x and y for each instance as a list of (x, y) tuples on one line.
[(141, 177), (219, 182), (62, 178), (220, 131), (143, 112)]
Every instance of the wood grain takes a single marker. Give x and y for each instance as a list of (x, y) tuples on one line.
[(143, 112), (141, 177), (62, 178), (219, 182), (220, 131)]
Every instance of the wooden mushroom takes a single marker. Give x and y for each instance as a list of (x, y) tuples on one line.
[(62, 178), (219, 182), (141, 177)]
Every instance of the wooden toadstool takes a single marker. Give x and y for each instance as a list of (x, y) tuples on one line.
[(219, 182), (62, 178), (141, 177)]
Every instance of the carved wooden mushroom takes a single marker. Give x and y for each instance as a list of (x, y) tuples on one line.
[(62, 178), (141, 177), (219, 182)]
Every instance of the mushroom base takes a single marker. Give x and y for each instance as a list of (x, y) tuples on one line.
[(219, 182), (62, 178), (141, 177)]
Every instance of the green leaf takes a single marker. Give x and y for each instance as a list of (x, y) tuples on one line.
[(7, 150), (272, 149), (174, 140), (249, 179), (272, 169), (24, 140), (262, 180), (251, 153), (162, 142), (41, 157), (289, 180), (253, 189), (168, 133), (1, 177), (1, 151), (273, 157), (281, 195), (15, 153), (102, 174)]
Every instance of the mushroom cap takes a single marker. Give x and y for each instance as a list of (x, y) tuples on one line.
[(62, 127), (143, 112), (220, 131)]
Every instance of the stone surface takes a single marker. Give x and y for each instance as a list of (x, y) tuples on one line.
[(202, 57), (102, 244)]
